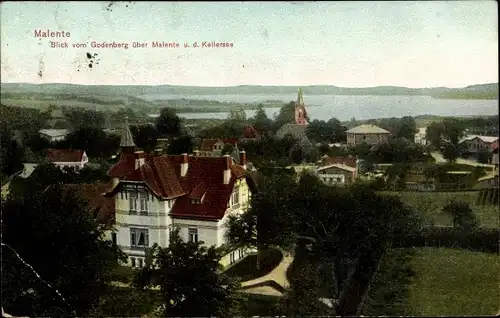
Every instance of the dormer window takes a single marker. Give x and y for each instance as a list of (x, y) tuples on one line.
[(195, 201)]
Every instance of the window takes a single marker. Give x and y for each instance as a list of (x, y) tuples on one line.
[(240, 253), (133, 203), (143, 203), (132, 261), (121, 195), (231, 258), (195, 201), (113, 238), (193, 235), (140, 262), (169, 204), (139, 238), (235, 196)]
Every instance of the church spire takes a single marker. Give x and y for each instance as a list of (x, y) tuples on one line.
[(127, 141), (300, 98)]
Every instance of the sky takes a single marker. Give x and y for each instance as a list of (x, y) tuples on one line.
[(348, 44)]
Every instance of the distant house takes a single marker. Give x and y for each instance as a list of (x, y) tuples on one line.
[(72, 158), (54, 134), (338, 169), (250, 133), (213, 147), (366, 134), (421, 136), (474, 144), (337, 174)]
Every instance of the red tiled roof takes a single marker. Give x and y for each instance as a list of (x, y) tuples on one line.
[(348, 161), (105, 214), (65, 155), (250, 132), (207, 144), (204, 179)]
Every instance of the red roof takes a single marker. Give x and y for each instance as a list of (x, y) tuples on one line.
[(204, 180), (103, 207), (250, 132), (208, 144), (65, 155), (348, 161)]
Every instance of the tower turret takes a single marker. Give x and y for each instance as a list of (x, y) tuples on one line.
[(127, 144)]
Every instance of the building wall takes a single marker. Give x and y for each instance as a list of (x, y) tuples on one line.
[(77, 165), (334, 173), (370, 139), (159, 224), (476, 145)]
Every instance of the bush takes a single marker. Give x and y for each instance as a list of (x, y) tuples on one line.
[(482, 239)]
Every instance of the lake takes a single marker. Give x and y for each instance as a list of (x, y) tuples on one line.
[(344, 107)]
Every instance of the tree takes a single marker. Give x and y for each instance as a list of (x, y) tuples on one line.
[(180, 145), (95, 142), (227, 149), (450, 152), (297, 155), (168, 124), (462, 215), (53, 232), (260, 121), (286, 115), (434, 134), (84, 118), (190, 281), (145, 137), (406, 128), (11, 154), (452, 130)]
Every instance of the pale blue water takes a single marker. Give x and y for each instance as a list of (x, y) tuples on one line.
[(344, 107)]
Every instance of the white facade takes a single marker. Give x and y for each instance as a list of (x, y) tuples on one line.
[(76, 164), (421, 136), (53, 135), (143, 220)]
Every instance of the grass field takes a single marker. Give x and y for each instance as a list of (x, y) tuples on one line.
[(432, 282), (430, 204), (452, 282)]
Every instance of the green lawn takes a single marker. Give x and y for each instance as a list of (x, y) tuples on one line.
[(430, 204), (452, 282), (434, 282)]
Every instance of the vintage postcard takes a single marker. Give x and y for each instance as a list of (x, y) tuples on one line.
[(234, 159)]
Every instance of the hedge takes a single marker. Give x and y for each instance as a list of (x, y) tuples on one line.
[(482, 239)]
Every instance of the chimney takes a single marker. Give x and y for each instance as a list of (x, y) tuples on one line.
[(184, 164), (139, 159), (243, 159), (158, 151), (227, 169)]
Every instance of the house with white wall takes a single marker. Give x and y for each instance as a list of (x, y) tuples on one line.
[(157, 194), (53, 135), (421, 136), (71, 158)]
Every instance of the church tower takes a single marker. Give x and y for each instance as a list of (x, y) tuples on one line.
[(300, 110), (127, 144)]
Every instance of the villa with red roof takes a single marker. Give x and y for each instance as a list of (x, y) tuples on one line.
[(157, 194), (73, 158)]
